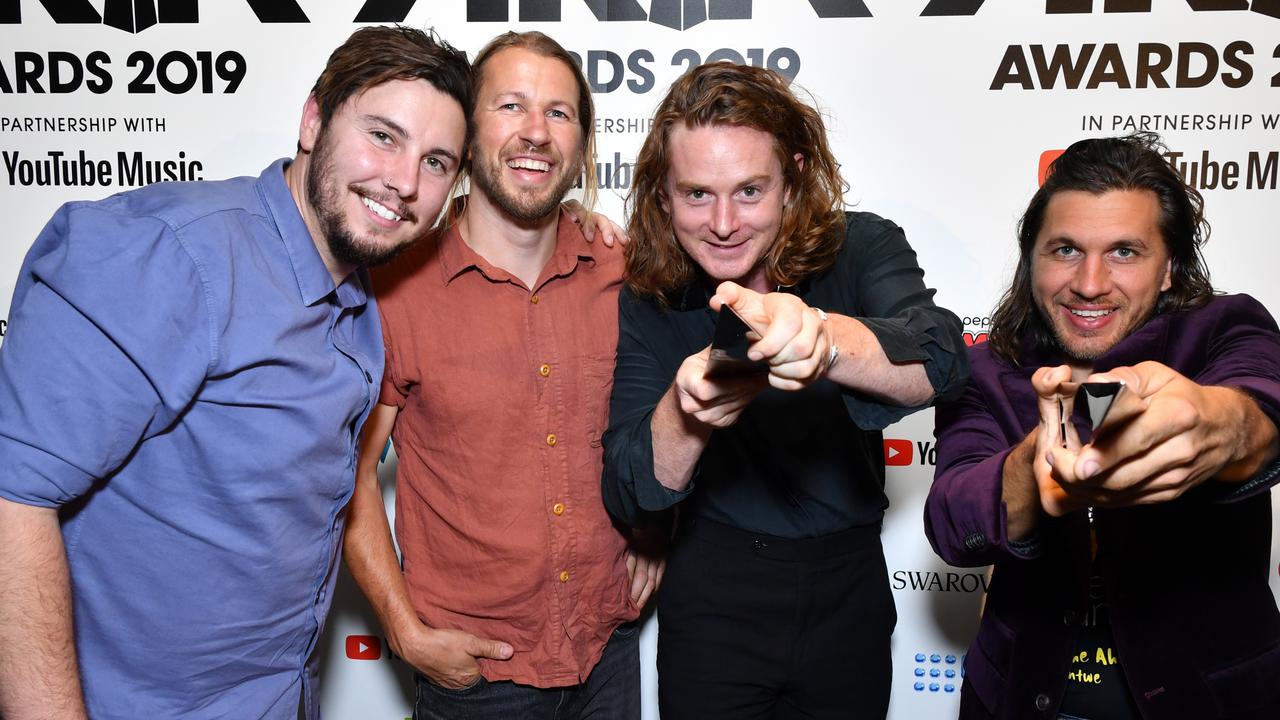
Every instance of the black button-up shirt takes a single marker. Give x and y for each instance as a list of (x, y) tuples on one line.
[(796, 464)]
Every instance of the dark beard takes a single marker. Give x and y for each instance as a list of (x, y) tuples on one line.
[(325, 199), (484, 177)]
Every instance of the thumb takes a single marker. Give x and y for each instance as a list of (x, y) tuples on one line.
[(727, 293), (492, 649)]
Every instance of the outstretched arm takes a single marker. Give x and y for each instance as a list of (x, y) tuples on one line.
[(1165, 435)]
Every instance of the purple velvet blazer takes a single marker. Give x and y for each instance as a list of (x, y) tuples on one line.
[(1195, 622)]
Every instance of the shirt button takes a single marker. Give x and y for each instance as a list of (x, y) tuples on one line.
[(545, 370), (1042, 702), (551, 439), (564, 576), (558, 508), (533, 299)]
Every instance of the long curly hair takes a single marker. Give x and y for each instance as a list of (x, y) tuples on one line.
[(724, 93), (1097, 166)]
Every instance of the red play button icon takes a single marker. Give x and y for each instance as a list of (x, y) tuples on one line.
[(897, 452), (364, 647)]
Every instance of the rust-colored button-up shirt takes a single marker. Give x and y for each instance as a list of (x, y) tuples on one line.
[(503, 393)]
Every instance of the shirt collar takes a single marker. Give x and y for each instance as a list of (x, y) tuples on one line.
[(456, 257), (314, 281)]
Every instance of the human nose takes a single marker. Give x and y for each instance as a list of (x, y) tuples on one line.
[(724, 219), (1092, 278), (402, 176), (534, 130)]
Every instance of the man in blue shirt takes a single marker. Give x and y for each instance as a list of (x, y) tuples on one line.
[(181, 388)]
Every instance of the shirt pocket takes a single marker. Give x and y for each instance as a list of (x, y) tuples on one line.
[(1248, 688), (597, 384)]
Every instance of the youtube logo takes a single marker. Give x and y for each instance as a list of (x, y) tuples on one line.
[(1046, 159), (897, 452), (364, 647)]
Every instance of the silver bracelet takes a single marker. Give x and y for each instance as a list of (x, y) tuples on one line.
[(834, 354)]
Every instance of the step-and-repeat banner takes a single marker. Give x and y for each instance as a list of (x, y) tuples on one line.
[(940, 111)]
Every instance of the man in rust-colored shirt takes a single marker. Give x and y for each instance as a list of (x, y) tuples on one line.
[(517, 592)]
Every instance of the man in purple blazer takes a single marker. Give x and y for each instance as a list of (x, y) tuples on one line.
[(1131, 560)]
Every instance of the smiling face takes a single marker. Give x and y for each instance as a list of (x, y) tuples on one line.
[(1098, 267), (528, 147), (379, 170), (725, 192)]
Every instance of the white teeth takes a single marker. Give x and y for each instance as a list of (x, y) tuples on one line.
[(381, 211), (529, 164), (1091, 313)]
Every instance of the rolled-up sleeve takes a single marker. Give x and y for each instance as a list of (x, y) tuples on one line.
[(630, 488), (896, 305), (110, 335)]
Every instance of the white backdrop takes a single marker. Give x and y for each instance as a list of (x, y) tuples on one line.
[(939, 110)]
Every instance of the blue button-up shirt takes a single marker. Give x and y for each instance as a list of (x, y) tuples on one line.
[(183, 380)]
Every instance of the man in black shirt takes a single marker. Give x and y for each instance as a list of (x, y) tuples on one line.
[(776, 601)]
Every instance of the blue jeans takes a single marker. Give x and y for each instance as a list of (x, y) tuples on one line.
[(611, 692)]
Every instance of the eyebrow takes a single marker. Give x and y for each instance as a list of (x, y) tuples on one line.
[(400, 132), (523, 96), (384, 120), (754, 180)]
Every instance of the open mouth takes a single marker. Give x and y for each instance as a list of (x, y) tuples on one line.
[(529, 164), (380, 210), (1090, 314)]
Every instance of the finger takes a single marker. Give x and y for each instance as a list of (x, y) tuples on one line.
[(727, 293), (1169, 485), (802, 372), (492, 649), (710, 392), (612, 232), (1055, 498), (1144, 379), (1157, 438), (785, 325), (1048, 383), (1056, 502), (749, 304), (639, 577), (808, 346), (646, 585), (1054, 397), (578, 214), (783, 383), (1061, 463), (719, 404), (459, 682), (1174, 462)]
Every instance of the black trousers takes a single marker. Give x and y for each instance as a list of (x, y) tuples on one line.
[(753, 626)]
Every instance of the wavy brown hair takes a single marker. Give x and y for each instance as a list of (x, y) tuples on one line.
[(723, 93), (1097, 166), (377, 54)]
